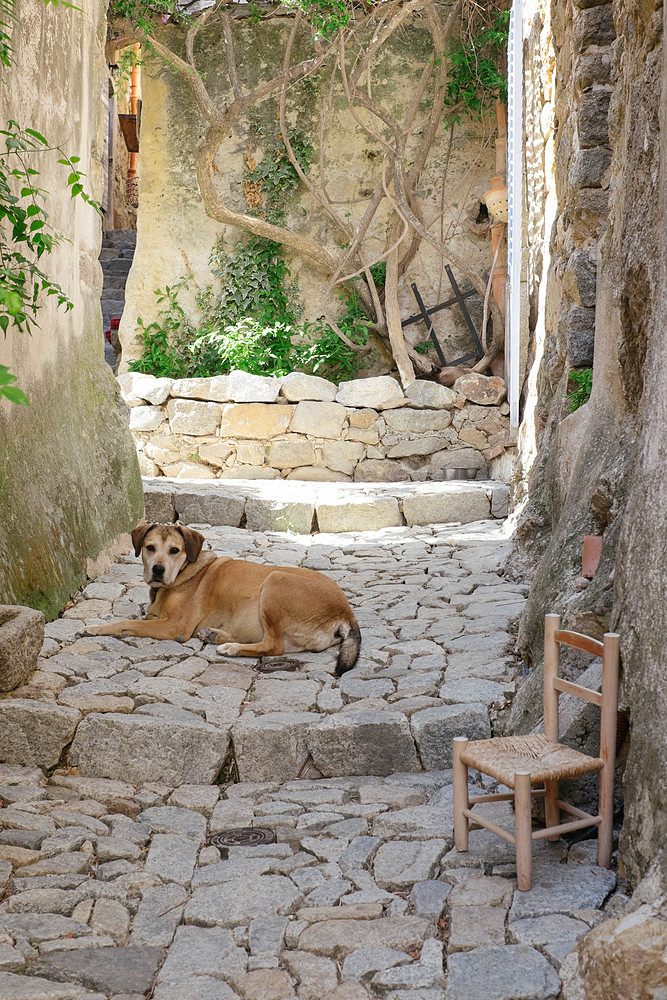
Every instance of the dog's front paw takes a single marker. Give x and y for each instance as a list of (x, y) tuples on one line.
[(228, 649), (91, 630), (208, 634)]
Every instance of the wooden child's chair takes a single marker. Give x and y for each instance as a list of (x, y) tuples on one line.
[(522, 761)]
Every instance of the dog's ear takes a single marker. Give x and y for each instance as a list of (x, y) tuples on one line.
[(193, 542), (138, 535)]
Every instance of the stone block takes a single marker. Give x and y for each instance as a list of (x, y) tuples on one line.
[(460, 458), (146, 418), (159, 501), (15, 986), (216, 453), (379, 393), (399, 864), (254, 420), (594, 26), (159, 915), (361, 514), (475, 927), (338, 938), (363, 742), (250, 453), (317, 474), (410, 421), (592, 68), (208, 506), (110, 970), (35, 733), (315, 975), (562, 889), (247, 388), (592, 119), (587, 168), (191, 417), (501, 973), (435, 728), (500, 501), (297, 386), (197, 951), (21, 638), (417, 446), (429, 898), (241, 900), (291, 453), (426, 395), (463, 503), (540, 931), (250, 472), (320, 420), (272, 747), (172, 753), (485, 390), (342, 456), (279, 515), (172, 858), (215, 389), (377, 470), (579, 326)]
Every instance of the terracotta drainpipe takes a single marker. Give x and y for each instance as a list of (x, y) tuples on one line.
[(496, 192), (134, 101)]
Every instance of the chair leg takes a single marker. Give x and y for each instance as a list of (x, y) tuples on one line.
[(606, 810), (460, 783), (551, 810), (523, 830)]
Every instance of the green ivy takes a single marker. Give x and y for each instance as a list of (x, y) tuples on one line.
[(477, 66), (583, 380), (250, 317)]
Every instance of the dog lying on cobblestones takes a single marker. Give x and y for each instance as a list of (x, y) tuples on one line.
[(245, 607)]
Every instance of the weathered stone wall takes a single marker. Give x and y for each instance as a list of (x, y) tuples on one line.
[(175, 236), (69, 484), (242, 426), (600, 470)]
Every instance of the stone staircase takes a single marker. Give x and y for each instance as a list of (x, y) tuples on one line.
[(116, 255), (308, 507)]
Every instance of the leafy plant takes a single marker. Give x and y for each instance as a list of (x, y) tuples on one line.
[(476, 67), (583, 379), (9, 391), (423, 346)]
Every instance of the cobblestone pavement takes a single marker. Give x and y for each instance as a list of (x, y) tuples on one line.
[(111, 887)]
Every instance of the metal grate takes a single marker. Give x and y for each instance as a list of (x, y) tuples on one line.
[(243, 836)]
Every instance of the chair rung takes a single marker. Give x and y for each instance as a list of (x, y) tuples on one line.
[(567, 687), (538, 793), (578, 824), (487, 824), (573, 811)]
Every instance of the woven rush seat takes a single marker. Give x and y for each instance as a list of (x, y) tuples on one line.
[(503, 756)]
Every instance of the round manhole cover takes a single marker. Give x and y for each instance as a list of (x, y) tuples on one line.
[(271, 666), (244, 836)]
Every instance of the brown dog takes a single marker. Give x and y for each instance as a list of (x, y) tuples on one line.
[(250, 609)]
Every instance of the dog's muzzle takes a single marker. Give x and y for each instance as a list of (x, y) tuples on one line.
[(158, 573)]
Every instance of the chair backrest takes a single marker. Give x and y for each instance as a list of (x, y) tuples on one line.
[(554, 685)]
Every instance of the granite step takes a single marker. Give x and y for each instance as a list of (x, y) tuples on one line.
[(309, 507)]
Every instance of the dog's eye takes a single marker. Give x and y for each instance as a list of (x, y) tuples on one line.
[(150, 548), (173, 551)]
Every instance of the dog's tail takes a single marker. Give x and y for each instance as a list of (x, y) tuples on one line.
[(349, 647)]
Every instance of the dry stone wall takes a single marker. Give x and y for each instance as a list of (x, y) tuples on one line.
[(242, 426), (600, 470)]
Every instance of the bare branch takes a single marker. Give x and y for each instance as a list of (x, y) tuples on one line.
[(231, 55)]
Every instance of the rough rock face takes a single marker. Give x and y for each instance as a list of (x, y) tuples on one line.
[(21, 638), (601, 469), (70, 482)]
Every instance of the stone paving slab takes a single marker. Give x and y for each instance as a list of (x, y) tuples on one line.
[(112, 890)]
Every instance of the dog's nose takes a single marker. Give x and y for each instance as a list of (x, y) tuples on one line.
[(158, 570)]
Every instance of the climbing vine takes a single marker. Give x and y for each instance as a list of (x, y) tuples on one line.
[(477, 64), (250, 315), (583, 384)]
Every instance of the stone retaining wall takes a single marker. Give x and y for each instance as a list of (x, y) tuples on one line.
[(242, 426)]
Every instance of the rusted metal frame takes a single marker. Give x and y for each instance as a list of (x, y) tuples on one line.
[(429, 326)]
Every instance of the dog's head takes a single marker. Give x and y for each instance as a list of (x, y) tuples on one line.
[(165, 549)]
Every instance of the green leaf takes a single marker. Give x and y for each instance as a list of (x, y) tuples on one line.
[(37, 135), (15, 395)]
